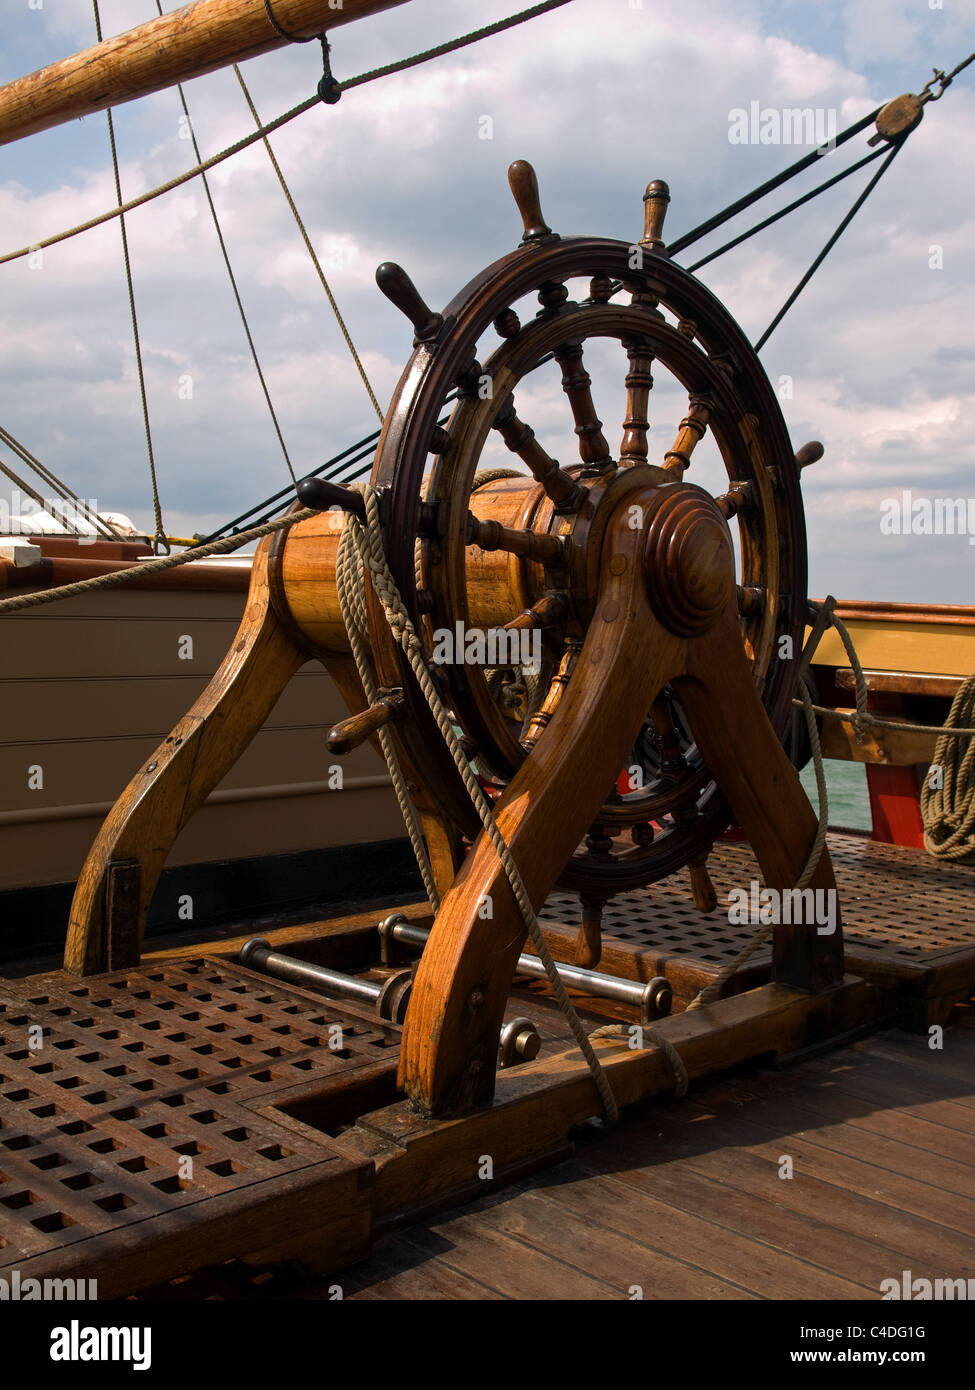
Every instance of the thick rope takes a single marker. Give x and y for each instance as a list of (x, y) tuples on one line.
[(948, 811), (350, 581), (310, 249), (402, 65), (140, 569), (368, 542), (160, 536)]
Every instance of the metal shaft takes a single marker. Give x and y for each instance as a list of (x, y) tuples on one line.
[(652, 999), (257, 954)]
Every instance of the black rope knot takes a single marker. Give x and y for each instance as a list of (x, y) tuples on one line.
[(329, 90)]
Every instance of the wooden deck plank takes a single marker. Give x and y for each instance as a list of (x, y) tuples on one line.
[(514, 1269), (881, 1083), (398, 1271), (897, 1142), (664, 1230), (722, 1151), (813, 1159), (539, 1220), (751, 1214), (921, 1064)]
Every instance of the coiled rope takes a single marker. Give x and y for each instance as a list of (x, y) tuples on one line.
[(948, 811)]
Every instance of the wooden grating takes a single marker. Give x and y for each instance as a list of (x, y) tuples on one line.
[(137, 1072), (898, 904)]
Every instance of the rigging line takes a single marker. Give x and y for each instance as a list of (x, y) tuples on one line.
[(829, 245), (19, 482), (311, 250), (770, 185), (783, 212), (79, 505), (156, 507), (233, 279), (401, 65)]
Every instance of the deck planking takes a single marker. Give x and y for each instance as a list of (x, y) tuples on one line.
[(685, 1200)]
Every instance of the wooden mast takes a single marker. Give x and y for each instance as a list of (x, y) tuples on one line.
[(196, 39)]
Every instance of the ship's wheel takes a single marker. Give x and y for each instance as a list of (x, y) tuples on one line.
[(523, 552)]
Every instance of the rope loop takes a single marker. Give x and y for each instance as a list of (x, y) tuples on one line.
[(292, 38)]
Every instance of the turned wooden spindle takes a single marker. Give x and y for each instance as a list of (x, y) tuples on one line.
[(550, 609), (560, 487), (556, 690), (350, 733), (529, 545), (809, 453), (524, 185), (507, 324), (601, 289), (702, 889), (692, 430), (655, 202), (576, 383), (589, 942), (634, 448), (400, 290)]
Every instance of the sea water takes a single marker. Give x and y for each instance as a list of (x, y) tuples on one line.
[(846, 788)]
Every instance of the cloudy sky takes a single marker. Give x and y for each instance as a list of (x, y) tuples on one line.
[(601, 96)]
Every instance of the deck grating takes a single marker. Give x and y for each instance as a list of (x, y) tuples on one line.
[(898, 904), (107, 1086)]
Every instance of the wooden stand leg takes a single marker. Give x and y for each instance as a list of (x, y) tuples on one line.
[(763, 788), (120, 874)]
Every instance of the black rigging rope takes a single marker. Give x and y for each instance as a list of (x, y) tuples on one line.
[(233, 279), (160, 536), (891, 156)]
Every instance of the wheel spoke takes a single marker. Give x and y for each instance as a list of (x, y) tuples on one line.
[(556, 690), (576, 381), (634, 448), (691, 432), (561, 487)]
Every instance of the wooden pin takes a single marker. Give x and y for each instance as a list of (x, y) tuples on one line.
[(322, 495), (400, 290), (809, 453), (655, 202), (702, 889), (349, 733), (524, 185)]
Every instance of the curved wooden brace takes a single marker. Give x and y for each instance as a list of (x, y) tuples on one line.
[(119, 876), (450, 1038)]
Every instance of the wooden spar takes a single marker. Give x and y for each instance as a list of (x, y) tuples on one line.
[(188, 42)]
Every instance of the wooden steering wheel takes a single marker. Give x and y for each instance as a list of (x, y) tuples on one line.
[(624, 574), (625, 571), (659, 316)]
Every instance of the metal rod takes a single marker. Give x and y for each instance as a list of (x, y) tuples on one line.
[(257, 954), (652, 999)]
